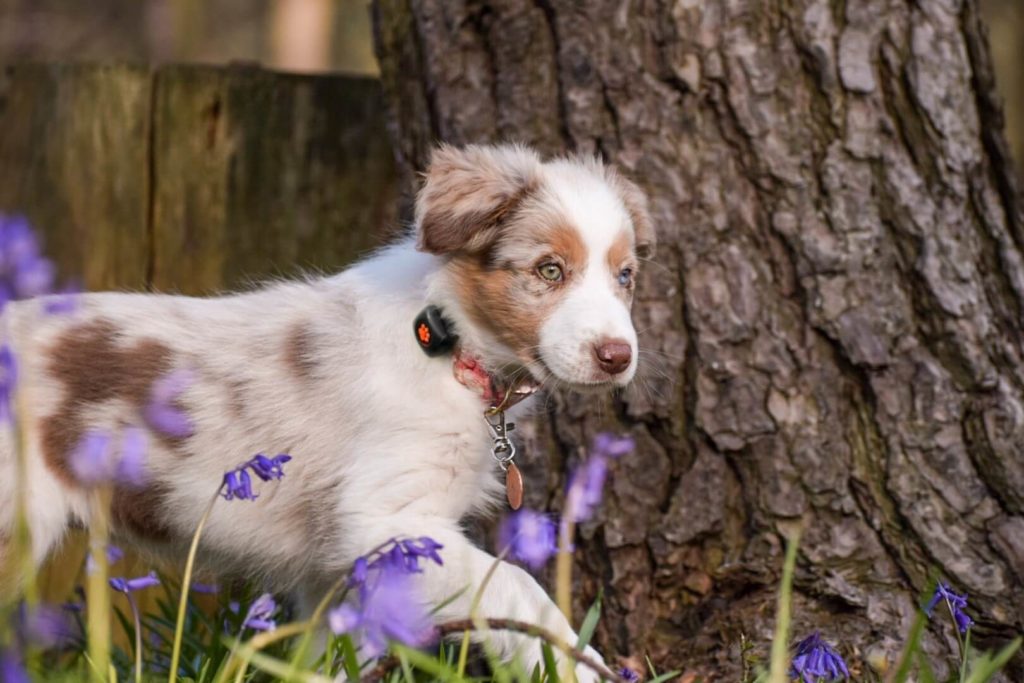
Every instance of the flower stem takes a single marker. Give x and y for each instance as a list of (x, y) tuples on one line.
[(138, 638), (97, 592), (959, 641), (186, 580), (780, 643), (563, 568)]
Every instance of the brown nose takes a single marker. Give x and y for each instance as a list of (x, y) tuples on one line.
[(613, 355)]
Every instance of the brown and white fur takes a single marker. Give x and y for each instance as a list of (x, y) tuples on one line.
[(385, 441)]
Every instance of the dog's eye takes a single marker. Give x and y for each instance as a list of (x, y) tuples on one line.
[(552, 272), (625, 277)]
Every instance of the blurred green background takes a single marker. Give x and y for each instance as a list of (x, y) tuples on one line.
[(313, 36)]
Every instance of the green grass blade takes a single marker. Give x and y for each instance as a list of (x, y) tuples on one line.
[(910, 649), (988, 665), (590, 622), (550, 665)]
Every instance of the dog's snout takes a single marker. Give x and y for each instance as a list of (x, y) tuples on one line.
[(613, 355)]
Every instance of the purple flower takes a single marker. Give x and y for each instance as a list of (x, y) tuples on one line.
[(95, 461), (585, 488), (609, 445), (92, 460), (127, 586), (63, 302), (41, 626), (113, 554), (530, 536), (204, 588), (24, 272), (238, 482), (629, 675), (260, 612), (8, 383), (389, 609), (816, 660), (11, 668), (269, 468), (956, 604), (238, 485), (131, 468), (402, 555), (162, 414)]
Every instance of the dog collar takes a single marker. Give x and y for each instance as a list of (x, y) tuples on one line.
[(435, 336)]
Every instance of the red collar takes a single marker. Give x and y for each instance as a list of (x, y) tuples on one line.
[(496, 394)]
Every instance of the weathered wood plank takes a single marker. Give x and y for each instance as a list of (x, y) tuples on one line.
[(262, 173), (191, 179), (73, 158)]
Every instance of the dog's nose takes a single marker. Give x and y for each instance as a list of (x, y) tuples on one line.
[(613, 355)]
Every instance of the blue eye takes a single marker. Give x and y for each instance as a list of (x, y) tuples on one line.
[(626, 277)]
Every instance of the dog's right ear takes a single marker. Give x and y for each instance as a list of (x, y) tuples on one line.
[(468, 192)]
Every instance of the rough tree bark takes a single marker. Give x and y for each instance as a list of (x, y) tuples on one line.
[(832, 324)]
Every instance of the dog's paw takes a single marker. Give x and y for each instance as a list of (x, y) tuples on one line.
[(586, 674)]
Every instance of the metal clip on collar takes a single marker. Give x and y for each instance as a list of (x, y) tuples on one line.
[(503, 449)]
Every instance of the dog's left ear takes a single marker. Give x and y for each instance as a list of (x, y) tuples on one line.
[(467, 193), (639, 213)]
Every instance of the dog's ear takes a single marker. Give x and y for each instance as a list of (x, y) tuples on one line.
[(467, 193), (639, 213)]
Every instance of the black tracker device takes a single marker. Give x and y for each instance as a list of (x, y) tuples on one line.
[(433, 332)]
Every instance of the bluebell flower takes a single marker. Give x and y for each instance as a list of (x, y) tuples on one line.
[(24, 272), (259, 616), (586, 485), (609, 445), (530, 537), (127, 586), (388, 606), (238, 482), (8, 383), (204, 588), (11, 668), (41, 626), (403, 555), (63, 302), (389, 609), (112, 553), (629, 675), (956, 604), (238, 485), (161, 413), (131, 467), (815, 661), (96, 460), (269, 469)]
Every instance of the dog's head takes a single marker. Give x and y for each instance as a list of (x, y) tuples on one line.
[(542, 256)]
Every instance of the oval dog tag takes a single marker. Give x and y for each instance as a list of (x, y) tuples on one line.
[(514, 486)]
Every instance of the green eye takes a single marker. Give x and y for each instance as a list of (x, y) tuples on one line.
[(552, 272)]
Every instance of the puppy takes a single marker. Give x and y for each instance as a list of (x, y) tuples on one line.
[(530, 268)]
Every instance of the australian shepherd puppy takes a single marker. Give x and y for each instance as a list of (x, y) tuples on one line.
[(530, 265)]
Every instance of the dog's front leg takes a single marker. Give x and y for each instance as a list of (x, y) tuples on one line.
[(510, 593)]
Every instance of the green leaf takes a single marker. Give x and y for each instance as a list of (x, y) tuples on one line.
[(349, 659), (910, 649), (590, 622), (550, 665), (664, 677), (988, 665)]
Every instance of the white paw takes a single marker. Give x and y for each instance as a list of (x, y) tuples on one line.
[(585, 674)]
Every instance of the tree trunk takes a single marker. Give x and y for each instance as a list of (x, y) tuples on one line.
[(832, 326)]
